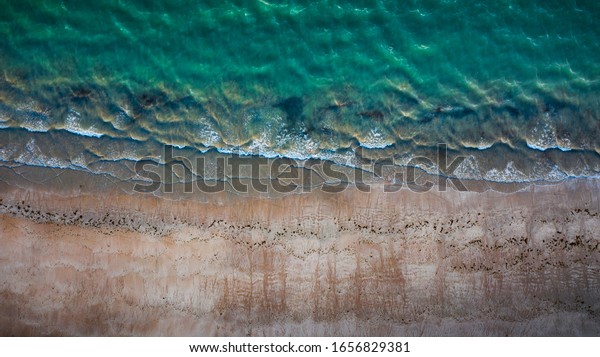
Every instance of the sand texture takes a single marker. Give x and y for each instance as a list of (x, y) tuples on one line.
[(354, 263)]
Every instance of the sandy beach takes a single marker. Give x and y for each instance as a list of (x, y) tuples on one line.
[(352, 263), (299, 168)]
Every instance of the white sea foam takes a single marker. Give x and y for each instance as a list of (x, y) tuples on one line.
[(543, 136), (121, 120), (304, 147), (546, 147), (79, 161), (206, 134), (73, 125), (33, 156), (556, 175), (468, 169), (7, 152), (375, 140), (481, 146), (35, 123), (509, 174)]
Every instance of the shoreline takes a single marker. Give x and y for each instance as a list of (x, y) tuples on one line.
[(352, 263), (120, 158)]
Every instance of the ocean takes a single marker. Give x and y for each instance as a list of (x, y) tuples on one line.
[(511, 87)]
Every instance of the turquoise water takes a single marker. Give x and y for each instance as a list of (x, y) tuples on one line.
[(512, 85)]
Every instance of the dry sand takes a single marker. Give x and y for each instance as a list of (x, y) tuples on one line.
[(405, 263)]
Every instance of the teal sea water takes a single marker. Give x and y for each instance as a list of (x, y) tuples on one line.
[(514, 86)]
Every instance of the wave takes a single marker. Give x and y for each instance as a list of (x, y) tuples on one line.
[(62, 149)]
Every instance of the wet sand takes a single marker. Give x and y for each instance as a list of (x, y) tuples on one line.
[(352, 263)]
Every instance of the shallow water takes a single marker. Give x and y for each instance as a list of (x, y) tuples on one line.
[(511, 85)]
